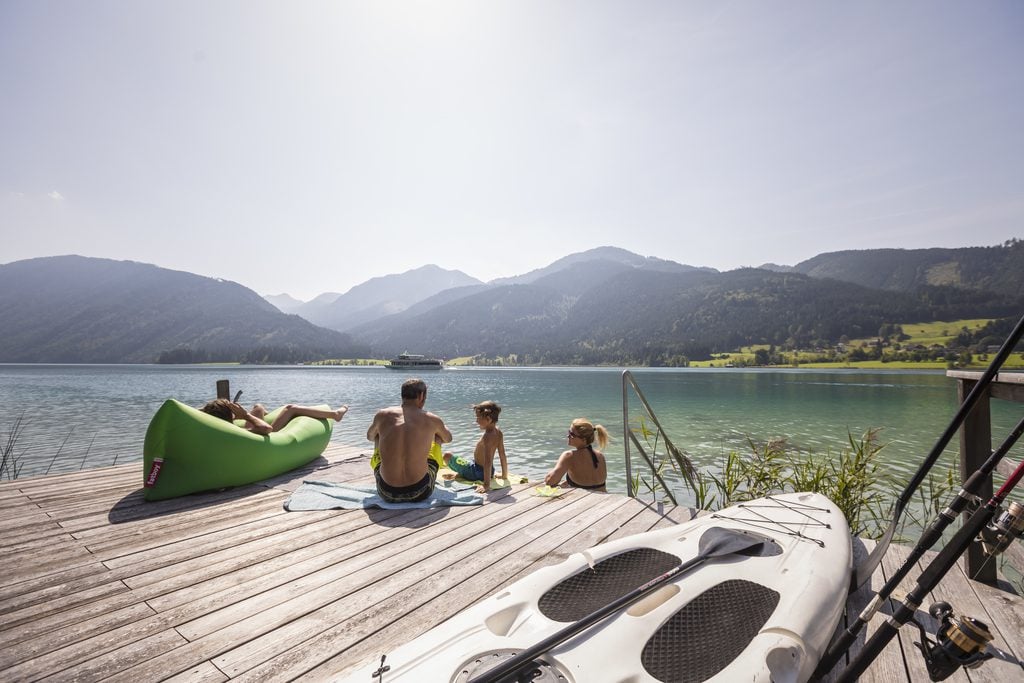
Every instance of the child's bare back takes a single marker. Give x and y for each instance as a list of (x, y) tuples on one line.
[(491, 441)]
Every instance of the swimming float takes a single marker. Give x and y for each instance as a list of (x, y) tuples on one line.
[(187, 451)]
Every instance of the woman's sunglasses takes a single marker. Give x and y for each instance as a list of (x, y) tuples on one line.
[(572, 435)]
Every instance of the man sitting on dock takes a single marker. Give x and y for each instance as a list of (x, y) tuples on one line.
[(407, 447)]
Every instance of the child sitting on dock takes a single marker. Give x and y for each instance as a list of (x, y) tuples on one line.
[(583, 467), (482, 466), (254, 422)]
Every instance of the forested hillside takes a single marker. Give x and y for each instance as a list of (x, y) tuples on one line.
[(71, 309), (593, 313), (602, 306), (998, 269)]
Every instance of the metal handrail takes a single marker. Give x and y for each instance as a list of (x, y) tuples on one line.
[(685, 466)]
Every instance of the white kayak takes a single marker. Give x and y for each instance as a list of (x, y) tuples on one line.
[(764, 614)]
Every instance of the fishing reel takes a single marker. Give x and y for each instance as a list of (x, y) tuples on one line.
[(1003, 530), (959, 642)]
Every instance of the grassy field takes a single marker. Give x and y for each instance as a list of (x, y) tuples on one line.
[(933, 333), (919, 333), (925, 334)]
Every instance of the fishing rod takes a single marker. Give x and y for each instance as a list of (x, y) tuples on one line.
[(867, 568), (968, 495), (961, 643)]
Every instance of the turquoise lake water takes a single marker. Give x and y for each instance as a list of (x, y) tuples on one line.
[(81, 416)]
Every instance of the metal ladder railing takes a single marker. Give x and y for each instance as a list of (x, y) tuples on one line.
[(680, 462)]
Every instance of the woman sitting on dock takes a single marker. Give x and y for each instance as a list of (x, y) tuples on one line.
[(583, 466), (254, 422)]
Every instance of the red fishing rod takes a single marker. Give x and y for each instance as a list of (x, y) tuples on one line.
[(968, 495), (863, 572), (867, 568), (961, 643)]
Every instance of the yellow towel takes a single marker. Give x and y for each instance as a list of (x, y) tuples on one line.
[(496, 482), (434, 454), (548, 491)]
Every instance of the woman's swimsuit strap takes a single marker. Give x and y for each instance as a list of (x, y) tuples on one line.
[(570, 482)]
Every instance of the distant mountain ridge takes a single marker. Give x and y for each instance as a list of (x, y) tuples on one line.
[(606, 254), (601, 306), (381, 296), (592, 310), (996, 269), (73, 309)]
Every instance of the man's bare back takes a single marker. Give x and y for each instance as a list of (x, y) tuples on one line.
[(403, 435)]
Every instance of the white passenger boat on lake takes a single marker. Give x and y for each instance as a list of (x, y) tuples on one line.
[(413, 361)]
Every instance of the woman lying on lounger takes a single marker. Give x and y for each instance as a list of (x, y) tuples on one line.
[(583, 466), (254, 422)]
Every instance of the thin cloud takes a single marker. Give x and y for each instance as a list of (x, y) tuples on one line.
[(55, 196)]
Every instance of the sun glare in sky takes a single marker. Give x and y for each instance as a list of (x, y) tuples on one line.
[(307, 147)]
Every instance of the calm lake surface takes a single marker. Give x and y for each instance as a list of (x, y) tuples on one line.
[(82, 416)]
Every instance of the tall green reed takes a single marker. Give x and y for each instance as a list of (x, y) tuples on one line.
[(10, 465)]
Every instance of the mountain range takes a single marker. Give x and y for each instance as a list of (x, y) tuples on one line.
[(72, 309), (604, 305)]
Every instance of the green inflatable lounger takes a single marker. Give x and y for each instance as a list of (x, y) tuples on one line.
[(187, 451)]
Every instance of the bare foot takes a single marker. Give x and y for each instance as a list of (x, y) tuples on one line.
[(340, 413)]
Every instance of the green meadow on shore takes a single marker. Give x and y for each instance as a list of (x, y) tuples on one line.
[(927, 335), (917, 334)]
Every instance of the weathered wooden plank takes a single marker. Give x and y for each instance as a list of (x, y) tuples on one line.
[(73, 668), (141, 546), (221, 567), (1006, 616), (96, 527), (855, 604), (26, 538), (292, 544), (405, 614), (48, 634), (36, 562), (13, 617), (312, 592), (641, 518), (22, 514), (138, 509), (916, 668), (75, 644), (955, 589), (98, 473), (121, 601), (889, 665), (425, 580), (203, 673), (15, 591)]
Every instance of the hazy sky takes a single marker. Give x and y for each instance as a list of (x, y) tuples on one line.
[(305, 147)]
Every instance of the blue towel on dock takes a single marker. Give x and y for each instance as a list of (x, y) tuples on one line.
[(327, 495)]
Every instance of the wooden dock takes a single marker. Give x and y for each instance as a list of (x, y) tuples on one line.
[(98, 584)]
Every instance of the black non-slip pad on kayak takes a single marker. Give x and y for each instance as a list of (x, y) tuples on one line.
[(711, 631), (611, 578)]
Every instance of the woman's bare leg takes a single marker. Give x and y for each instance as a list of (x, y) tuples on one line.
[(290, 411)]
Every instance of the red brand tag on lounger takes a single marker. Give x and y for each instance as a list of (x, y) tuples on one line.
[(154, 472)]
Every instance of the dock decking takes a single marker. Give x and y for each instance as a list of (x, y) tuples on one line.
[(98, 585)]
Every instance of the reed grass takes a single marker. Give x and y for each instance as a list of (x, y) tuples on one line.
[(10, 465), (850, 478)]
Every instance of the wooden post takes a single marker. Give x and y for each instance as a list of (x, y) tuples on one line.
[(975, 448), (223, 389)]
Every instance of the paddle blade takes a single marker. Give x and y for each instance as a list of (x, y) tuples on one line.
[(716, 542)]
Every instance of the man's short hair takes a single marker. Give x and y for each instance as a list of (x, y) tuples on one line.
[(413, 388)]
